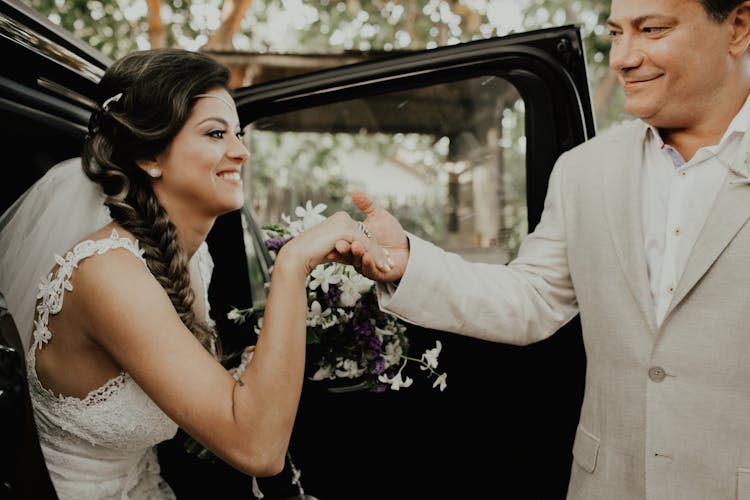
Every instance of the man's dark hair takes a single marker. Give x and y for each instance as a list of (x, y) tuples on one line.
[(718, 10)]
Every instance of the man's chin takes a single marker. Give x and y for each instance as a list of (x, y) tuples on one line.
[(645, 113)]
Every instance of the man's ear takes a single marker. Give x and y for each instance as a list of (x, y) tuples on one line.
[(740, 22)]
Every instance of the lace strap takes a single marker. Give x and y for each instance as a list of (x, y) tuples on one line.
[(53, 287)]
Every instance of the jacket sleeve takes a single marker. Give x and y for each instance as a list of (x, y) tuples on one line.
[(520, 303)]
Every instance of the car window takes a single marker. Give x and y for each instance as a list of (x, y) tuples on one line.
[(448, 160)]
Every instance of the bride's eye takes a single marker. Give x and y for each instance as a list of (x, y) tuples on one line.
[(217, 134)]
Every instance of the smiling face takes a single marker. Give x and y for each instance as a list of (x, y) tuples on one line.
[(201, 166), (672, 61)]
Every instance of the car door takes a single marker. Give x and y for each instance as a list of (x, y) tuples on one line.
[(458, 142)]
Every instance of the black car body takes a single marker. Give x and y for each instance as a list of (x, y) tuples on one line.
[(504, 426)]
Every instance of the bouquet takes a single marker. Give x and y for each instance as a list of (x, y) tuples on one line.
[(349, 338)]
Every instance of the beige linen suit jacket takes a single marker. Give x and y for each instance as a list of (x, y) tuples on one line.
[(666, 411)]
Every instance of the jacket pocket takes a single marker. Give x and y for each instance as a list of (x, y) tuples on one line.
[(743, 483), (586, 450)]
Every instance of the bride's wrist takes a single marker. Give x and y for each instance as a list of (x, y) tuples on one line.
[(290, 259)]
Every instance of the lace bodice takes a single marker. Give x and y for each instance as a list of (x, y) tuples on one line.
[(101, 446)]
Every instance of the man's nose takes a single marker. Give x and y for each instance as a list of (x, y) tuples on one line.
[(625, 53)]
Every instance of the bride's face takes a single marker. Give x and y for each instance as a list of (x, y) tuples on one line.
[(201, 168)]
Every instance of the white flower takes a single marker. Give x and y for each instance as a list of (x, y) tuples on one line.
[(393, 352), (323, 276), (324, 372), (310, 215), (328, 319), (235, 315), (352, 289), (348, 368), (349, 295), (396, 382), (381, 333), (441, 381), (316, 315), (430, 356)]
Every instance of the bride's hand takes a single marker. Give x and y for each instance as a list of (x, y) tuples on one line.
[(318, 244)]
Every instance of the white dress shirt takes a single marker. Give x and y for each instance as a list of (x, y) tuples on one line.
[(677, 197)]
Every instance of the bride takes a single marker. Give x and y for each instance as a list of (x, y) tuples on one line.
[(120, 350)]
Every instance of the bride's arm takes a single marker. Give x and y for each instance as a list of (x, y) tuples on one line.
[(247, 424)]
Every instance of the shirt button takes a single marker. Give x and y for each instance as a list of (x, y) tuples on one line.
[(683, 173), (656, 373), (670, 289), (677, 231)]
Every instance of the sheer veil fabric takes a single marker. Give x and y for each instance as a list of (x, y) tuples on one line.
[(54, 214)]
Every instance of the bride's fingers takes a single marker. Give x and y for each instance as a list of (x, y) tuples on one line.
[(343, 247)]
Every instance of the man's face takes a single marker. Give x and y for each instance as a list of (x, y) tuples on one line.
[(671, 59)]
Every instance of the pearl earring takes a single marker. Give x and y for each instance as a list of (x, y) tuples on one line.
[(155, 173)]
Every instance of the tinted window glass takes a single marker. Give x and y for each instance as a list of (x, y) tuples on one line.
[(448, 160)]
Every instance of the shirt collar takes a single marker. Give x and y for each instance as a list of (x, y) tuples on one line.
[(737, 128)]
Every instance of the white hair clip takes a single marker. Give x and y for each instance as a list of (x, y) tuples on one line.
[(108, 102)]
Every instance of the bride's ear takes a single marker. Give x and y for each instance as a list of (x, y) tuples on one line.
[(150, 166)]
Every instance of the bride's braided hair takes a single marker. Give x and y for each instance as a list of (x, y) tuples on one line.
[(158, 93)]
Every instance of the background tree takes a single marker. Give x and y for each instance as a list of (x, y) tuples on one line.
[(116, 27)]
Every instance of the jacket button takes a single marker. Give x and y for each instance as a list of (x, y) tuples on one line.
[(656, 373)]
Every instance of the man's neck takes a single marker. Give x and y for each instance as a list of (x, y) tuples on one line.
[(687, 141)]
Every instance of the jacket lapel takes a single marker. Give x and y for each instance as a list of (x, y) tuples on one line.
[(727, 216), (622, 199)]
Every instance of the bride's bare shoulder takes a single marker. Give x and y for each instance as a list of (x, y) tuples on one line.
[(105, 232)]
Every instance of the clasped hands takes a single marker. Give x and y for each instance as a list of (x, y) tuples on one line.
[(386, 260)]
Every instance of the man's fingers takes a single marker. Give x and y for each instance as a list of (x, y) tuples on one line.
[(373, 255), (363, 202)]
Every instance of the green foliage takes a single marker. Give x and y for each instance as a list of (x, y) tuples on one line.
[(117, 27), (309, 166)]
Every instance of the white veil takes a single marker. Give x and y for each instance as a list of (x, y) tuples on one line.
[(54, 214)]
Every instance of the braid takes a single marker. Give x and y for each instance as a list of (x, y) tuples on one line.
[(166, 260)]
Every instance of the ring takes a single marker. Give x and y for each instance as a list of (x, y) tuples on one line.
[(363, 228)]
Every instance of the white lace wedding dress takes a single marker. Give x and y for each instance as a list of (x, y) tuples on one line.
[(101, 446)]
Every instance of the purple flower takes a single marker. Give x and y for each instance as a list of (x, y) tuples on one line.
[(363, 328), (274, 244), (332, 295), (379, 366), (375, 346)]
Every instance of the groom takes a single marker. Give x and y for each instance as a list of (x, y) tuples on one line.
[(644, 233)]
